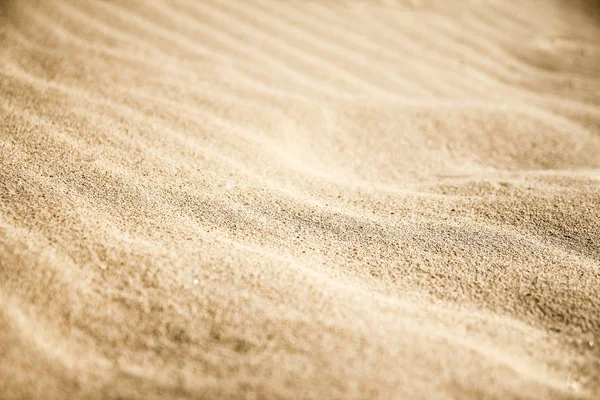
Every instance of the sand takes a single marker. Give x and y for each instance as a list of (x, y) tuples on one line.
[(299, 199)]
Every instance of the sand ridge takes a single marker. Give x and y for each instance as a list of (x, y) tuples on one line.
[(276, 199)]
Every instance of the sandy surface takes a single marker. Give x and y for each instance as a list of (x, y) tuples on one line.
[(293, 199)]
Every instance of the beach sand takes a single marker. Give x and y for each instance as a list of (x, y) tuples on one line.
[(299, 199)]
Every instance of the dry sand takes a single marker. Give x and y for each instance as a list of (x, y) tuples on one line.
[(293, 199)]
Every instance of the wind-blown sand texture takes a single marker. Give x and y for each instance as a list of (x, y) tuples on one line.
[(299, 199)]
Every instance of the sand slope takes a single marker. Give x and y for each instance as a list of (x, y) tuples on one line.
[(277, 199)]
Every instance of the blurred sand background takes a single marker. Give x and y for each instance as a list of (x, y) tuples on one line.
[(299, 199)]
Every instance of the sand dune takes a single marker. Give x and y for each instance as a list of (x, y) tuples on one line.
[(321, 199)]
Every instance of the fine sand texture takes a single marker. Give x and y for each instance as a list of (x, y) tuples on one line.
[(326, 199)]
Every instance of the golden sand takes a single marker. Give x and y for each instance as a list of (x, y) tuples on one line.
[(299, 199)]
